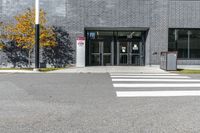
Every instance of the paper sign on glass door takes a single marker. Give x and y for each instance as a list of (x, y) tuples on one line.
[(123, 49)]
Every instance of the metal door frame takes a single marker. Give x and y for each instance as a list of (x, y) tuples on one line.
[(111, 52), (135, 54), (119, 53), (101, 52), (90, 53), (130, 54)]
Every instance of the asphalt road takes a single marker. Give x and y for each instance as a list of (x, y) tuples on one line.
[(87, 103)]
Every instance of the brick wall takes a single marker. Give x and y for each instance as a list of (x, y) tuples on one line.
[(158, 15)]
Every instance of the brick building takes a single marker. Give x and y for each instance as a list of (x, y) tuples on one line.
[(124, 32)]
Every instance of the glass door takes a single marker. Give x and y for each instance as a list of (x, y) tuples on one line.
[(123, 53), (105, 47), (95, 53), (130, 53), (101, 53), (107, 53), (135, 53)]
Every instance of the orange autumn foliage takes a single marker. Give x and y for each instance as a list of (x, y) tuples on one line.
[(22, 31)]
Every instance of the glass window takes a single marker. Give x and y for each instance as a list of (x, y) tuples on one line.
[(186, 42), (91, 35), (130, 35), (94, 47), (182, 43), (104, 34), (99, 34), (195, 44)]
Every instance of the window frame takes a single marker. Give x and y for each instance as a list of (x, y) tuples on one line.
[(188, 48)]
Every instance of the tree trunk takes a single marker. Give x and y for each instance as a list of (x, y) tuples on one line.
[(14, 65)]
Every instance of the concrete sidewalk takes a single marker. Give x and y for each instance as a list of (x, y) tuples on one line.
[(18, 71), (108, 69), (112, 69)]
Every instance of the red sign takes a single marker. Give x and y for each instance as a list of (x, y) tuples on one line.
[(81, 38), (81, 41)]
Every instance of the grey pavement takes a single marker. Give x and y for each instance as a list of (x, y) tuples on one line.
[(87, 103), (112, 69)]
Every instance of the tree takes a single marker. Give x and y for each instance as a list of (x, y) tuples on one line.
[(62, 53), (15, 54), (22, 32)]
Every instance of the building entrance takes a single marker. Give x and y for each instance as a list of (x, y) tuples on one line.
[(130, 53), (108, 48), (101, 52)]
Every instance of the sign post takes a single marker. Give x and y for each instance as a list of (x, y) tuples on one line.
[(80, 51), (37, 34)]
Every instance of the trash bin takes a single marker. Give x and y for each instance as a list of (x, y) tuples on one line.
[(168, 61)]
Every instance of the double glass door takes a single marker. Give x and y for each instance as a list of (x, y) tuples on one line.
[(130, 53), (101, 52), (108, 53)]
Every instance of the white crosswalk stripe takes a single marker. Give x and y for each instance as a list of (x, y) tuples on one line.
[(156, 85), (156, 82), (171, 77), (156, 93), (116, 74)]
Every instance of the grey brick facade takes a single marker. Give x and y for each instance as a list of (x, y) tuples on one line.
[(157, 15)]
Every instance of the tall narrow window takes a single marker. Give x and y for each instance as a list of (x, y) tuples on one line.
[(195, 44)]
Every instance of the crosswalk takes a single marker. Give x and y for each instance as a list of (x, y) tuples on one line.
[(154, 85)]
